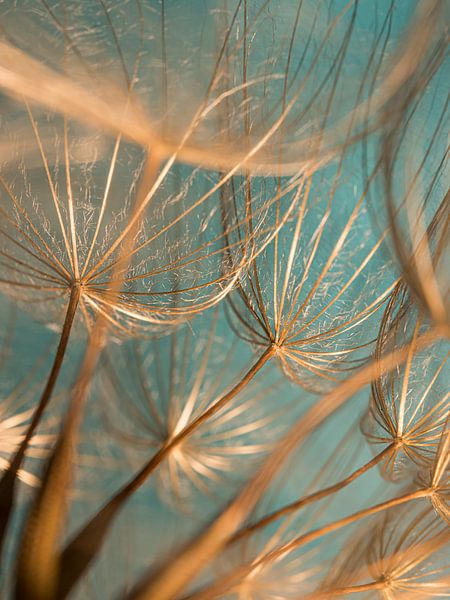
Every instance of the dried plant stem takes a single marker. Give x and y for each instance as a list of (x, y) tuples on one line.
[(311, 498), (139, 479), (83, 548), (352, 589), (175, 574), (326, 529), (75, 294), (231, 580), (38, 565), (8, 481)]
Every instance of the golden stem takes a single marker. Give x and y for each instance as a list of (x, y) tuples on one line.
[(7, 483), (314, 497), (82, 549)]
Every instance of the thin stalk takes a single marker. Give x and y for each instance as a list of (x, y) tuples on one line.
[(83, 548), (175, 574), (351, 589), (311, 498), (326, 529), (231, 580), (7, 483), (139, 479), (38, 565), (319, 595)]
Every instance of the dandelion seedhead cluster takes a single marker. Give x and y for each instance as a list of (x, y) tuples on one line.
[(225, 309)]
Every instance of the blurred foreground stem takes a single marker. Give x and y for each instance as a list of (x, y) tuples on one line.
[(8, 481), (78, 554)]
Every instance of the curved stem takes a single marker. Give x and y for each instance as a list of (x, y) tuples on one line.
[(351, 589), (83, 548), (7, 483), (39, 564), (180, 570), (230, 580), (326, 529), (314, 497)]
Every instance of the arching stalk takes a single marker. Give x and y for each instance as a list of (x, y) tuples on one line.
[(340, 523), (175, 574), (37, 567), (351, 589), (311, 498), (226, 583), (8, 481), (78, 554)]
